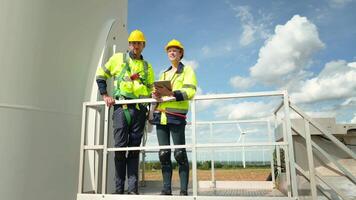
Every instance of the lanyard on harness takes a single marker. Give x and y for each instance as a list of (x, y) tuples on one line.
[(127, 114)]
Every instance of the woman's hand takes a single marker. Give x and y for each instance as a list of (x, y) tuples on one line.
[(163, 91), (156, 95)]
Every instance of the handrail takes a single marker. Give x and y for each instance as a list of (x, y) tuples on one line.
[(324, 131), (288, 136), (129, 101), (332, 186), (189, 146), (198, 97), (348, 174), (310, 144), (278, 108), (239, 95), (307, 176), (309, 147), (230, 121)]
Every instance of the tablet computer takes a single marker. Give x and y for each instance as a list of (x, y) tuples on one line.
[(160, 84)]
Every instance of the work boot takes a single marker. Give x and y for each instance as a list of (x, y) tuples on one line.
[(166, 192), (118, 192), (183, 193), (133, 193)]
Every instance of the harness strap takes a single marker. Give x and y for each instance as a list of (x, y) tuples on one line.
[(127, 114), (173, 113), (120, 78), (145, 74)]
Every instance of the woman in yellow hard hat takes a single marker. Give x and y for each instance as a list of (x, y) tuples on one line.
[(170, 117)]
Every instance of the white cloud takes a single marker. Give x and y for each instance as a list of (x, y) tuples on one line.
[(337, 80), (287, 52), (193, 63), (245, 110), (239, 82), (349, 102), (251, 29), (354, 119), (352, 64), (247, 36), (295, 82), (204, 104)]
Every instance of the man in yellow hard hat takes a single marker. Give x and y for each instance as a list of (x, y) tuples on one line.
[(170, 116), (133, 79)]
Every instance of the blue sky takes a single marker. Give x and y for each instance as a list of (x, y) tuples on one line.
[(307, 47)]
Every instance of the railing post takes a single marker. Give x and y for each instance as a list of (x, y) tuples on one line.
[(278, 152), (278, 158), (194, 150), (81, 157), (287, 166), (310, 160), (286, 159), (96, 153), (143, 157), (212, 158), (243, 150), (105, 149), (271, 151), (290, 145)]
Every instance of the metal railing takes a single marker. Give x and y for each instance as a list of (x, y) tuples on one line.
[(312, 175), (240, 140), (101, 192), (311, 145)]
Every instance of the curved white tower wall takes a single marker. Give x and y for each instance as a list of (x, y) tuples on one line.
[(49, 50)]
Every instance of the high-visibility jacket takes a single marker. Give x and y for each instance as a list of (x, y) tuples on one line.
[(184, 86), (122, 67)]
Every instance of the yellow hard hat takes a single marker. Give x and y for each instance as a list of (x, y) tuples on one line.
[(174, 43), (136, 36)]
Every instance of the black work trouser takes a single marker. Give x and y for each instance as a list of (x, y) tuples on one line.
[(178, 136), (126, 135)]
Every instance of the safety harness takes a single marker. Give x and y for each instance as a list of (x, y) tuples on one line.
[(121, 78), (172, 113)]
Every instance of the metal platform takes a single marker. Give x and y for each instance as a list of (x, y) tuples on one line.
[(317, 183), (237, 190), (203, 194), (158, 197)]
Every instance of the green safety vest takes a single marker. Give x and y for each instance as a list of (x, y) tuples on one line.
[(121, 67)]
